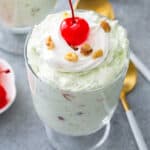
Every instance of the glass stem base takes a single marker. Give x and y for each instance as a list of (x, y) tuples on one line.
[(89, 142)]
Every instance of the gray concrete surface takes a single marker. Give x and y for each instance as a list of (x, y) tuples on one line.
[(20, 127)]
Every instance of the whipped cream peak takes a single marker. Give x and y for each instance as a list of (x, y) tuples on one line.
[(56, 52)]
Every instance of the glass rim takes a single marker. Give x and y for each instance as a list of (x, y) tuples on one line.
[(123, 71)]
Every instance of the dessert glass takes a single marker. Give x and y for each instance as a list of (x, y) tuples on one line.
[(20, 15), (75, 120)]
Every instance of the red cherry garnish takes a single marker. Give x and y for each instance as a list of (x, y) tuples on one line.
[(3, 97), (74, 32)]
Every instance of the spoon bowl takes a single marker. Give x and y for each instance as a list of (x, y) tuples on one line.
[(130, 79)]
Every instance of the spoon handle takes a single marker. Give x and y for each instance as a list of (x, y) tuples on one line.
[(140, 66), (133, 123), (136, 131)]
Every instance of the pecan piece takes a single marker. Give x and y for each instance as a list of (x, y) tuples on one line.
[(73, 57), (86, 49), (50, 43), (105, 25), (66, 15), (97, 54)]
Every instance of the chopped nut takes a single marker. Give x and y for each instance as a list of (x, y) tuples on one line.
[(105, 25), (66, 15), (68, 96), (97, 54), (61, 118), (80, 113), (86, 49), (73, 57), (50, 43)]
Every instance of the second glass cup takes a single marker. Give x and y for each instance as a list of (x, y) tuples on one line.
[(20, 15), (17, 18)]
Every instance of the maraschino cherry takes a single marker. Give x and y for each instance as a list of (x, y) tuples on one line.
[(74, 30), (3, 94)]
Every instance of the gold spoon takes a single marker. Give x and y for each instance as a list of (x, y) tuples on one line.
[(128, 85), (104, 7)]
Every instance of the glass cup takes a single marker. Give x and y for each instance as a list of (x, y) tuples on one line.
[(20, 15), (75, 120)]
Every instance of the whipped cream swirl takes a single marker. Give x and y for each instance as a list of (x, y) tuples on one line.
[(55, 58)]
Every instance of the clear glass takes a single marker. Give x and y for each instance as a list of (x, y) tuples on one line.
[(19, 15), (75, 120)]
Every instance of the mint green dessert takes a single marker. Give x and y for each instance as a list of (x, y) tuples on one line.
[(76, 89)]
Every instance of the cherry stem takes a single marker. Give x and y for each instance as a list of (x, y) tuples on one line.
[(72, 10), (5, 71)]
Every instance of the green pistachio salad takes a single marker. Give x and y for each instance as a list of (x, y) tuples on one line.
[(79, 83)]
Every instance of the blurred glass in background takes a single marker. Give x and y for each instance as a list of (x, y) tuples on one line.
[(18, 15)]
